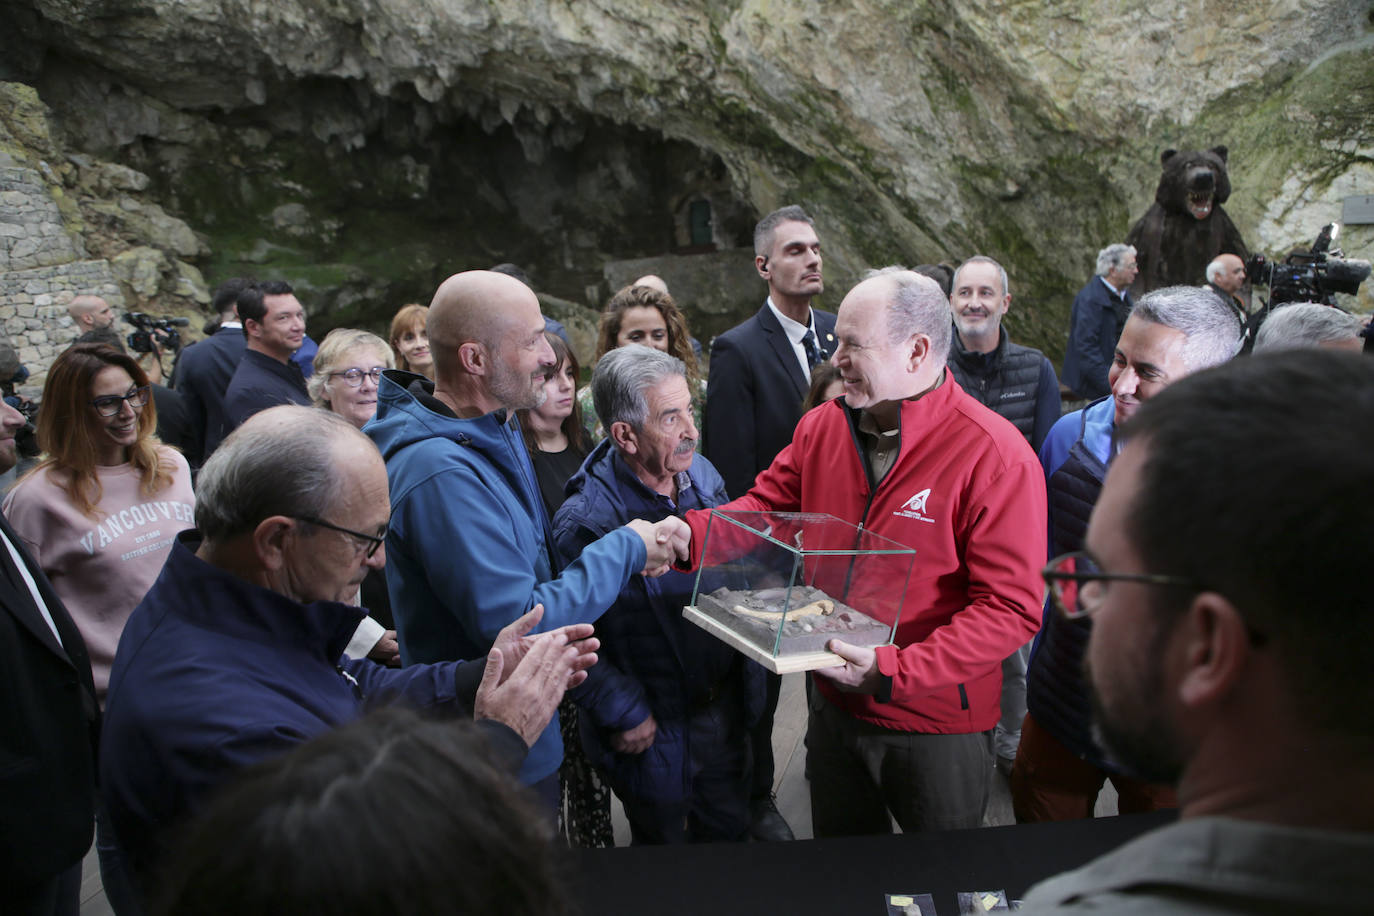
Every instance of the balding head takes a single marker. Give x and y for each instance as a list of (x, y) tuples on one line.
[(1227, 272), (487, 335), (653, 281), (90, 313)]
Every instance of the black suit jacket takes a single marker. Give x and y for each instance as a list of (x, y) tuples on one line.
[(202, 377), (48, 732), (754, 396)]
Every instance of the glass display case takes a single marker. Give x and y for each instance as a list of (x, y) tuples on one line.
[(778, 586)]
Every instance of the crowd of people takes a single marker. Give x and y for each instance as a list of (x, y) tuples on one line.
[(257, 631)]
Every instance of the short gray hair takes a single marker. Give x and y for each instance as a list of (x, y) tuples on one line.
[(1305, 325), (918, 306), (1112, 256), (1214, 269), (268, 468), (980, 259), (767, 227), (1210, 326), (621, 379)]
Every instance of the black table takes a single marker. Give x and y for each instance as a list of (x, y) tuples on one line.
[(846, 876)]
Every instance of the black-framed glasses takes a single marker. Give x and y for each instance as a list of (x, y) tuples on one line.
[(110, 404), (373, 541), (1078, 586), (354, 377)]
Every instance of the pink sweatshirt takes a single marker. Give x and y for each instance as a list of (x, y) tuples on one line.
[(102, 567)]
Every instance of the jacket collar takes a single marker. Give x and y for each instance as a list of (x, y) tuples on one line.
[(217, 600)]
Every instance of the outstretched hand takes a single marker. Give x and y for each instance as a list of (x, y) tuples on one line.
[(665, 542), (514, 640)]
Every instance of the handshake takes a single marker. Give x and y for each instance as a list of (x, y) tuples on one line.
[(666, 543)]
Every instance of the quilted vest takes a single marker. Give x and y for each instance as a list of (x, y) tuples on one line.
[(1005, 380), (1056, 693)]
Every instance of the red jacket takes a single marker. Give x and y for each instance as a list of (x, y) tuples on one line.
[(968, 493)]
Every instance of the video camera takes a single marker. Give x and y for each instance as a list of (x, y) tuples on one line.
[(1310, 276), (26, 440), (153, 331)]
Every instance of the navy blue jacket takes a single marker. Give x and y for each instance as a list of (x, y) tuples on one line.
[(214, 674), (261, 382), (1094, 328), (754, 395), (202, 376), (651, 660)]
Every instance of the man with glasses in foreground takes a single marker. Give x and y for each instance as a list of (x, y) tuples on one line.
[(1059, 770), (237, 655), (1226, 573)]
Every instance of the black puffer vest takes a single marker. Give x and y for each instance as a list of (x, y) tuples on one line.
[(1056, 693), (1006, 380)]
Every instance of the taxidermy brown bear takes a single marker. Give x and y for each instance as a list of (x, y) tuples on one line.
[(1185, 228)]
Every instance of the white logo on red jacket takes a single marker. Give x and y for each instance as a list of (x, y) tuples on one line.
[(916, 507)]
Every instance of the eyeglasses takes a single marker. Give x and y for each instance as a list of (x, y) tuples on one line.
[(373, 541), (1078, 586), (111, 404), (354, 376)]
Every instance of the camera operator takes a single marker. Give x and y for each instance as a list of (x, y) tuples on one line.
[(151, 336)]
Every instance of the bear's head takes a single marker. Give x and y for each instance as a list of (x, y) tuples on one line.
[(1194, 181)]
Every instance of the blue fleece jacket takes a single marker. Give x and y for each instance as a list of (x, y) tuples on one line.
[(470, 547)]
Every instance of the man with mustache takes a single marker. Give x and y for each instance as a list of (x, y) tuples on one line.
[(760, 372), (1226, 574), (1059, 769), (669, 714), (1019, 384)]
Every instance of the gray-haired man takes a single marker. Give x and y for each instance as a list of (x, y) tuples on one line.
[(235, 655), (1308, 325), (1059, 770), (670, 705), (1099, 313)]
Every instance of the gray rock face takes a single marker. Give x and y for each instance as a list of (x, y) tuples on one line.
[(376, 147)]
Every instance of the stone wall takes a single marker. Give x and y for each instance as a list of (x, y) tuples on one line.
[(42, 268)]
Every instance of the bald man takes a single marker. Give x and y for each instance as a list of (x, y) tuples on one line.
[(1226, 278), (470, 547), (90, 313)]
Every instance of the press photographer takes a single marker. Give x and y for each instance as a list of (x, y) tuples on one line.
[(154, 335)]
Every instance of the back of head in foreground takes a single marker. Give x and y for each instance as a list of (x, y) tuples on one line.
[(1253, 484), (390, 814)]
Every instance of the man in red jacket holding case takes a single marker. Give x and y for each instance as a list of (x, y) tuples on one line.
[(906, 729)]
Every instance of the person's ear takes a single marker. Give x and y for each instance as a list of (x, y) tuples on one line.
[(1213, 645), (472, 356), (761, 265), (918, 351), (623, 435), (269, 540)]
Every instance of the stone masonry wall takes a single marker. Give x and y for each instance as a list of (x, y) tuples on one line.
[(42, 268)]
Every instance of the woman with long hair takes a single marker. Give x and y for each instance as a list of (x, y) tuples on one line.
[(553, 430), (410, 340), (557, 444), (647, 316), (100, 510)]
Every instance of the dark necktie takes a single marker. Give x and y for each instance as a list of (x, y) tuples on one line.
[(813, 353)]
